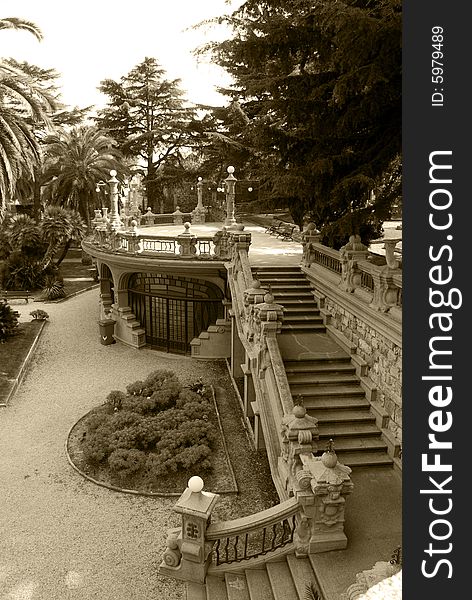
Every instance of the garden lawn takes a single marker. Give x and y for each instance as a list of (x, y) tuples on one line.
[(13, 354)]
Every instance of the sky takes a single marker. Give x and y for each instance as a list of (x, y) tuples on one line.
[(91, 40)]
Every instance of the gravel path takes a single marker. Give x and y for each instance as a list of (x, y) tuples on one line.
[(62, 537)]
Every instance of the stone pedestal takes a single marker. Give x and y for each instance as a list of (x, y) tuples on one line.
[(187, 555)]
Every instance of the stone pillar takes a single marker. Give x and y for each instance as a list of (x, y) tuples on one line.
[(330, 483), (114, 212), (187, 242), (188, 555), (230, 182), (349, 254), (249, 392), (178, 216), (299, 434), (309, 236), (198, 213)]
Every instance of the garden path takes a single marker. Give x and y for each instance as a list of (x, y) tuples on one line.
[(62, 537)]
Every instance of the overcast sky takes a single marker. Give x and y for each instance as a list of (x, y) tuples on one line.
[(90, 40)]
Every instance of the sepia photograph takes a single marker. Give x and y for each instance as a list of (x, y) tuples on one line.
[(201, 299)]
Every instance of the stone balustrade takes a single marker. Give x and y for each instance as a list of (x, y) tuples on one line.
[(310, 521), (380, 287), (184, 245)]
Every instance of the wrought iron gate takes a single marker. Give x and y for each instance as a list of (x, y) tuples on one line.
[(172, 322)]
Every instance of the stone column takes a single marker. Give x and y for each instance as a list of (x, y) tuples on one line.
[(198, 214), (230, 182), (115, 221), (188, 555), (187, 242)]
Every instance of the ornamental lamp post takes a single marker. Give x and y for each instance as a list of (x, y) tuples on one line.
[(230, 184), (200, 194), (115, 221)]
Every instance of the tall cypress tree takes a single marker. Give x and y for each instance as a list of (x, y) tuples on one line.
[(320, 81), (148, 117)]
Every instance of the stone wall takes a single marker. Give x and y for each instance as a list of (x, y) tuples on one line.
[(383, 356)]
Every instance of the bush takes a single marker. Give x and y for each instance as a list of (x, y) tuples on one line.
[(8, 321), (39, 315), (125, 463), (158, 427)]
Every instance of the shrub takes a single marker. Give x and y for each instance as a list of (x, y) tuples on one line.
[(39, 315), (125, 463), (158, 426), (8, 321), (53, 287)]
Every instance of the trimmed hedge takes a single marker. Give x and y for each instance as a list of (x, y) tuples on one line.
[(156, 428)]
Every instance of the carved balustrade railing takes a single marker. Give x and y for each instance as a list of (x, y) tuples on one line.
[(253, 536), (184, 245), (352, 269)]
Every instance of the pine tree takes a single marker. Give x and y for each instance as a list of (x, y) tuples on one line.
[(147, 116), (320, 81)]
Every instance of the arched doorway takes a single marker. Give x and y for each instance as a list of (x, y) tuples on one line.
[(173, 310)]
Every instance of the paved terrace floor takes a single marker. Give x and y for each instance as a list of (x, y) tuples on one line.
[(63, 538), (265, 248)]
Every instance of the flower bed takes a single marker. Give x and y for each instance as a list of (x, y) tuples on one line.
[(151, 438)]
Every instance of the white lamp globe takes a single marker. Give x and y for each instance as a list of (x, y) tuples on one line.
[(199, 179), (230, 170), (113, 173), (195, 484)]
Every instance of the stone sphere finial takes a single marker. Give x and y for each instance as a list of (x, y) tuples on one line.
[(187, 226), (230, 169), (299, 411), (268, 298), (256, 284), (195, 484)]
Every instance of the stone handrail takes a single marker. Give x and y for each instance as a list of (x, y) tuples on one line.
[(255, 535), (184, 245), (351, 269)]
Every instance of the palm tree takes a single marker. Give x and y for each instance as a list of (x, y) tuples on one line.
[(76, 161), (59, 228), (21, 24), (22, 101)]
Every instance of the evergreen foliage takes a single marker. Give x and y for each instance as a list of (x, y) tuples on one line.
[(148, 117), (158, 427), (320, 84), (8, 321)]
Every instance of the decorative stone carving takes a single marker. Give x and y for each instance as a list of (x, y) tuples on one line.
[(299, 433), (222, 243), (330, 484), (187, 242), (178, 216), (349, 254), (188, 555), (172, 554), (309, 236)]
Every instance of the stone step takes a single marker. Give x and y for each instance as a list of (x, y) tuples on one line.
[(357, 444), (300, 318), (236, 587), (258, 584), (365, 459), (338, 430), (303, 327), (315, 367), (215, 588), (316, 404), (300, 309), (280, 279), (275, 286), (281, 581), (353, 416), (324, 378), (327, 391), (302, 575), (319, 363), (294, 295), (271, 269)]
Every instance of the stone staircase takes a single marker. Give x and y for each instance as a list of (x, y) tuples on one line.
[(321, 372), (285, 579)]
